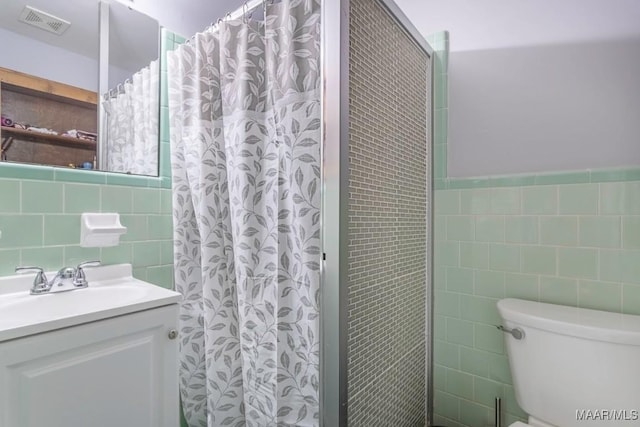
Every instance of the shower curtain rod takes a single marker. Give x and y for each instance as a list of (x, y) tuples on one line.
[(247, 7)]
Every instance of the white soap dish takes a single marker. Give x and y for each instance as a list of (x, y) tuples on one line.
[(100, 230)]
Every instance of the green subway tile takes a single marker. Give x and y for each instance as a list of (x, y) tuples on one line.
[(499, 368), (160, 227), (479, 309), (620, 198), (466, 183), (61, 230), (20, 231), (600, 231), (460, 228), (140, 273), (504, 257), (512, 181), (79, 175), (460, 280), (447, 303), (439, 327), (459, 384), (146, 200), (523, 286), (447, 202), (600, 295), (9, 196), (578, 199), (79, 198), (9, 260), (161, 276), (446, 354), (563, 178), (521, 229), (136, 227), (117, 199), (459, 332), (556, 290), (440, 161), (540, 200), (166, 254), (165, 160), (22, 171), (489, 283), (613, 175), (439, 276), (505, 201), (440, 184), (447, 253), (631, 299), (488, 338), (474, 361), (578, 262), (74, 255), (474, 255), (559, 230), (631, 232), (476, 201), (440, 228), (439, 377), (473, 414), (447, 404), (165, 182), (538, 259), (166, 202), (121, 254), (50, 258), (490, 228), (146, 254), (42, 197), (128, 180), (620, 266), (485, 391)]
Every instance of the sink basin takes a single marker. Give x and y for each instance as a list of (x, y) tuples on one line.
[(112, 292)]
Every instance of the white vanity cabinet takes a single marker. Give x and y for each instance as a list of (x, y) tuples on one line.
[(104, 356), (115, 372)]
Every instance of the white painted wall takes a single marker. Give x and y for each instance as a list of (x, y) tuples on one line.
[(537, 85), (30, 56)]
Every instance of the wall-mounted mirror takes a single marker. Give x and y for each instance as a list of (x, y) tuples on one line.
[(50, 74)]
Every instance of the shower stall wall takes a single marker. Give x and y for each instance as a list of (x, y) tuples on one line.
[(377, 113)]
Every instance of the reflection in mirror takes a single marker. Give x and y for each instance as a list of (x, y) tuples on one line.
[(48, 82), (130, 106), (51, 72)]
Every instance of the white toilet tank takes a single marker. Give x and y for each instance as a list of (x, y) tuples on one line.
[(574, 367)]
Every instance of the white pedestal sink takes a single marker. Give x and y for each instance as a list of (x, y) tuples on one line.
[(103, 356)]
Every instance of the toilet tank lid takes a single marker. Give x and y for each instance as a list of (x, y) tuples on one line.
[(572, 321)]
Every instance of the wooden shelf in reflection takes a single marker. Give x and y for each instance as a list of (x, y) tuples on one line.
[(65, 141)]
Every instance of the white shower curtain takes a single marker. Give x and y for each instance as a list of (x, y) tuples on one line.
[(131, 124), (244, 105)]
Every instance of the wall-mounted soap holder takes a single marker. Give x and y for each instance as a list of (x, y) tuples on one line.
[(100, 230)]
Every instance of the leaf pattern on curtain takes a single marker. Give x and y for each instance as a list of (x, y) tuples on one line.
[(131, 125), (244, 107)]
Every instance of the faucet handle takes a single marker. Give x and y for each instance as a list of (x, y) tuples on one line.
[(80, 280), (40, 283)]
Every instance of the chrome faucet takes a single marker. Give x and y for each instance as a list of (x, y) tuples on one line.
[(67, 279)]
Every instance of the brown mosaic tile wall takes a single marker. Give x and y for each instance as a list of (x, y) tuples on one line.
[(387, 221)]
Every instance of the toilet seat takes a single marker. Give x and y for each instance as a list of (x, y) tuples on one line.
[(533, 423), (519, 424)]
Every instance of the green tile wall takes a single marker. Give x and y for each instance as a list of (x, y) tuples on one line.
[(40, 212), (571, 244)]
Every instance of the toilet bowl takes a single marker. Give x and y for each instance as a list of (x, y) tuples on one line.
[(572, 367)]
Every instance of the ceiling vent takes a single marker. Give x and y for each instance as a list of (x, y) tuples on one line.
[(43, 20)]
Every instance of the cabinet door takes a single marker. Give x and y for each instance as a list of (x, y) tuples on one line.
[(117, 372)]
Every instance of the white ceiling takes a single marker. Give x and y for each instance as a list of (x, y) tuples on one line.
[(489, 24)]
